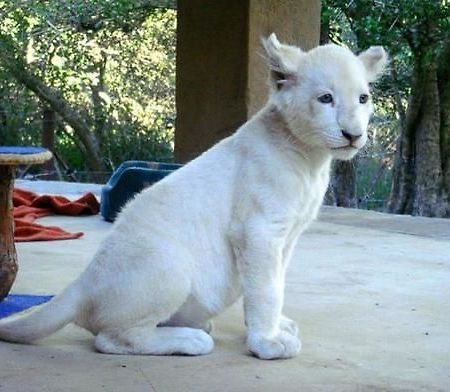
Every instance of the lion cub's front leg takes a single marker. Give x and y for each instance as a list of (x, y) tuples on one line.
[(269, 334)]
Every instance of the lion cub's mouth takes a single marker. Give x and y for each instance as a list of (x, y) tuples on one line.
[(346, 148)]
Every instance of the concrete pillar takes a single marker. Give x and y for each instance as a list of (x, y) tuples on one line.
[(221, 76)]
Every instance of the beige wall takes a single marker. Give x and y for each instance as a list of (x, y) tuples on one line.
[(221, 76)]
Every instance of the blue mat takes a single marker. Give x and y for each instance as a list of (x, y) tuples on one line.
[(16, 303)]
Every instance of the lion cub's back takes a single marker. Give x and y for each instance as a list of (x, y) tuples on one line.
[(194, 203)]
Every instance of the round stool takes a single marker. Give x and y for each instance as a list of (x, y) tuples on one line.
[(10, 157)]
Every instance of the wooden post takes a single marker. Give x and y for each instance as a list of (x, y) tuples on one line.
[(221, 75), (8, 255)]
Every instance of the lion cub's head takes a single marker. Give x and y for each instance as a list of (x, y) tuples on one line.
[(324, 93)]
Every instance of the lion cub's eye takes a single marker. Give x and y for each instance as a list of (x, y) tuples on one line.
[(363, 98), (325, 98)]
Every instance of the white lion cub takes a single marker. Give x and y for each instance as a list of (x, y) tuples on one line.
[(224, 225)]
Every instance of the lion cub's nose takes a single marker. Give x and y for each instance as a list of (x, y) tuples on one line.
[(351, 138)]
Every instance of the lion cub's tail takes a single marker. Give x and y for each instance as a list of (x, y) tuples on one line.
[(46, 320)]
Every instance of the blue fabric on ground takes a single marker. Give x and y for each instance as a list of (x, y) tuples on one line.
[(21, 150), (16, 303)]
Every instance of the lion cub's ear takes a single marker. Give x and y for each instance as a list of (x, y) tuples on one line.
[(283, 62), (375, 60)]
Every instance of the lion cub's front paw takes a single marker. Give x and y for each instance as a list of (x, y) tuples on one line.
[(289, 326), (283, 345)]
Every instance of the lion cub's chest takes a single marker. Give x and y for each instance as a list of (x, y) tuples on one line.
[(311, 191)]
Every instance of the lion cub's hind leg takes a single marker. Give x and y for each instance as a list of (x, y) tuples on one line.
[(130, 311), (153, 340)]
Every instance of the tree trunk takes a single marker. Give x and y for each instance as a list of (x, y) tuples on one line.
[(3, 118), (403, 171), (418, 176), (4, 134), (48, 140), (343, 184), (428, 169), (444, 94)]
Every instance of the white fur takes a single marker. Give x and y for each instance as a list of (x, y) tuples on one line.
[(224, 225)]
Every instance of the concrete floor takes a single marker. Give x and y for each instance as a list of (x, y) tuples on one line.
[(371, 294)]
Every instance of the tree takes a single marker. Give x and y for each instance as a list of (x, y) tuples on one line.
[(97, 66), (17, 68), (417, 34)]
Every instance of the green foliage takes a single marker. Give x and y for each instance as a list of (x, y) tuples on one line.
[(408, 29), (114, 61), (393, 24), (373, 185)]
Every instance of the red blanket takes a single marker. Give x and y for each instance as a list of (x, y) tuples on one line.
[(28, 206)]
